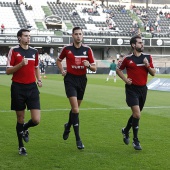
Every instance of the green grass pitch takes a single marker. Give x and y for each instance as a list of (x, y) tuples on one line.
[(103, 113)]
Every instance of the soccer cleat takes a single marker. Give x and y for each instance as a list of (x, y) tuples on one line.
[(80, 144), (125, 136), (25, 136), (22, 151), (66, 132), (136, 144)]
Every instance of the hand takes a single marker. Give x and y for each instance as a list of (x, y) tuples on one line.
[(128, 81), (39, 83), (145, 61), (24, 62), (86, 63), (64, 72)]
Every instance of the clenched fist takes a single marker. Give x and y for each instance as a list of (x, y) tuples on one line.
[(86, 63)]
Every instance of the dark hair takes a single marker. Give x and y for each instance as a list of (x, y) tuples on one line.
[(76, 28), (113, 61), (19, 33), (133, 39)]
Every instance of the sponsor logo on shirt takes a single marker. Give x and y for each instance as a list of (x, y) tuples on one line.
[(77, 67)]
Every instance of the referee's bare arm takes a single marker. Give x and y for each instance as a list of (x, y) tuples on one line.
[(60, 66), (122, 76), (11, 70)]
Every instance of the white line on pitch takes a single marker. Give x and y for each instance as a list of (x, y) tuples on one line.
[(106, 108)]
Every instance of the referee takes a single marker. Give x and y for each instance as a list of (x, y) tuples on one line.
[(79, 57), (23, 64), (137, 65)]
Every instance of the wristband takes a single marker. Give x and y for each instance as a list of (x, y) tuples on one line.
[(39, 81)]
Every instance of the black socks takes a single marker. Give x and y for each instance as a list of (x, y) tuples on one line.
[(135, 126), (19, 129), (30, 123), (75, 122), (129, 124)]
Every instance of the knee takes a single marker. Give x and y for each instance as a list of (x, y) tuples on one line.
[(75, 110), (20, 119), (136, 115), (36, 121)]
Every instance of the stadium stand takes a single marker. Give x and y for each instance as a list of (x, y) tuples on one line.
[(95, 19), (79, 13)]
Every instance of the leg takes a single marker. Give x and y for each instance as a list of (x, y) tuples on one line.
[(114, 76), (75, 104), (135, 126), (125, 131), (110, 73), (135, 120), (74, 116), (19, 129), (34, 121), (67, 127)]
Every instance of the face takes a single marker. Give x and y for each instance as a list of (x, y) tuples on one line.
[(25, 38), (139, 47), (77, 36)]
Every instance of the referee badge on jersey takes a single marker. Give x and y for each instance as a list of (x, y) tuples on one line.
[(78, 61)]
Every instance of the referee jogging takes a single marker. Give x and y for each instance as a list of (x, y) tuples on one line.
[(79, 57), (137, 65), (23, 64)]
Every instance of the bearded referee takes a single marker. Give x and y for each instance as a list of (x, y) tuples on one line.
[(138, 65), (23, 64), (79, 57)]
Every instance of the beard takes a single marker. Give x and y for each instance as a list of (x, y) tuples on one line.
[(139, 49)]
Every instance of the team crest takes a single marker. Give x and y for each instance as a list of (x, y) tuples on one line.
[(77, 61), (33, 56), (84, 53)]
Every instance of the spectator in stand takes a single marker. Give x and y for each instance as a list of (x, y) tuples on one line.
[(147, 28), (160, 13), (52, 52), (28, 25), (58, 2), (21, 2), (158, 19), (158, 28), (2, 28), (168, 16), (30, 7), (102, 2)]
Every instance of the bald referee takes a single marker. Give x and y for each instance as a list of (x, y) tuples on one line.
[(23, 64)]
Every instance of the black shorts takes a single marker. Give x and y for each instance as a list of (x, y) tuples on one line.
[(24, 95), (136, 95), (75, 85)]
